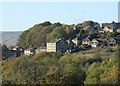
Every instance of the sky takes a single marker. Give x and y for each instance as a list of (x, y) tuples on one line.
[(20, 16)]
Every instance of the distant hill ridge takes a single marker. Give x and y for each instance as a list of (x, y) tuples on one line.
[(9, 37)]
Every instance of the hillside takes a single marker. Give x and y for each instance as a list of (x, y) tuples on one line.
[(94, 66), (41, 33), (98, 65), (10, 38)]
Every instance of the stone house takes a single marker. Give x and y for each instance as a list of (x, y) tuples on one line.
[(96, 42), (100, 30), (118, 30), (57, 45), (76, 41), (86, 41), (108, 29), (113, 26), (29, 52), (112, 42), (18, 50), (75, 28)]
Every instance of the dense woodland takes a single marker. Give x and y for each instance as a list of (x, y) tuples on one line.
[(94, 66), (91, 66)]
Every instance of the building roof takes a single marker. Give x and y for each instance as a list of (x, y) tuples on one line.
[(86, 39), (118, 30), (18, 47), (110, 39), (112, 25), (108, 27), (76, 38), (100, 40), (56, 40)]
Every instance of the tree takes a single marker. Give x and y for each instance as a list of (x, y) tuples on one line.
[(22, 38), (93, 74), (87, 23), (70, 32), (71, 45), (4, 48), (5, 52), (25, 71), (58, 24), (46, 23), (81, 33), (103, 35), (92, 35), (52, 75), (35, 36), (58, 32), (72, 74), (111, 77), (68, 74)]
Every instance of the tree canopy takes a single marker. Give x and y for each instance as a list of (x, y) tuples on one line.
[(39, 34)]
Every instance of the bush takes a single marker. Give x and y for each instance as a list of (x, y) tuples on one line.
[(109, 49)]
